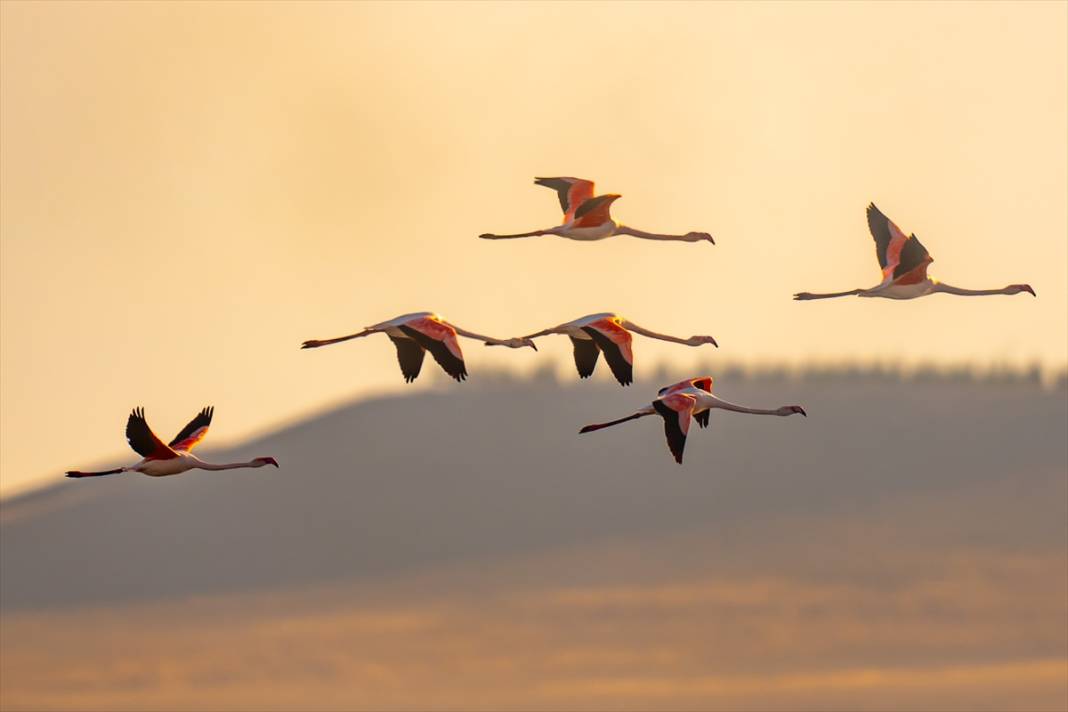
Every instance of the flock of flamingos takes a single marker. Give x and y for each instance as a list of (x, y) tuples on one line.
[(902, 258)]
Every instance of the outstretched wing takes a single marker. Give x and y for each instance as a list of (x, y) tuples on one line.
[(143, 441), (572, 192), (615, 342), (410, 356), (595, 211), (889, 239), (440, 340), (912, 268), (702, 382), (702, 417), (676, 411), (586, 353), (194, 432)]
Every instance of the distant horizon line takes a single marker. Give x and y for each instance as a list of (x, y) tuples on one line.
[(1052, 377)]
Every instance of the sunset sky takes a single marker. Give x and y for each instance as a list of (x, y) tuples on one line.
[(188, 191)]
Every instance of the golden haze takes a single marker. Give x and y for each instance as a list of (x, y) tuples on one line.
[(190, 190)]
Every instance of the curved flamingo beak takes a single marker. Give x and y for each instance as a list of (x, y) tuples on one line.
[(1027, 288), (270, 461), (799, 409)]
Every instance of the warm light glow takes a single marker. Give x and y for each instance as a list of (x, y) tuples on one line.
[(189, 191)]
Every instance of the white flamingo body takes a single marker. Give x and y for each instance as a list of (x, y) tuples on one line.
[(575, 328), (159, 460), (183, 463), (902, 291), (416, 333), (587, 217), (610, 334), (904, 260), (391, 327), (572, 231), (688, 400)]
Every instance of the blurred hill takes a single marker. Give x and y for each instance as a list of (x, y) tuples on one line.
[(476, 497)]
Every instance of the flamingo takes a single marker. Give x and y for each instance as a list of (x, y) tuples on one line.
[(904, 263), (678, 402), (610, 333), (175, 457), (586, 217), (415, 334)]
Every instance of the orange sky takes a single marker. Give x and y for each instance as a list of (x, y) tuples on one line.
[(187, 191)]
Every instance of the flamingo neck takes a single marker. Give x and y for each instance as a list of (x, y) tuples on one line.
[(227, 466), (960, 291), (717, 402)]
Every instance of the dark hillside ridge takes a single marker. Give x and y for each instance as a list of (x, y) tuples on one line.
[(486, 473)]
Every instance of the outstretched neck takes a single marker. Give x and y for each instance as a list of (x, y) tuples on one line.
[(727, 405), (227, 466), (692, 341), (489, 340), (960, 291), (688, 237)]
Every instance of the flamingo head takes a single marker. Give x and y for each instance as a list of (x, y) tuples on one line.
[(1017, 288), (698, 340), (261, 461), (791, 409)]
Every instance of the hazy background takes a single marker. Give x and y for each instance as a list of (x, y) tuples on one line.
[(187, 191), (909, 556)]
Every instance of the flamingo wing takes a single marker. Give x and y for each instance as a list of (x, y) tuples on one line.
[(594, 212), (143, 441), (676, 410), (440, 340), (615, 342), (914, 258), (889, 239), (702, 417), (410, 356), (194, 431), (572, 192), (586, 354), (702, 382)]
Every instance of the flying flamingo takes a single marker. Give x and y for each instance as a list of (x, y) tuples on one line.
[(586, 217), (415, 334), (610, 333), (904, 262), (175, 457), (678, 402)]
